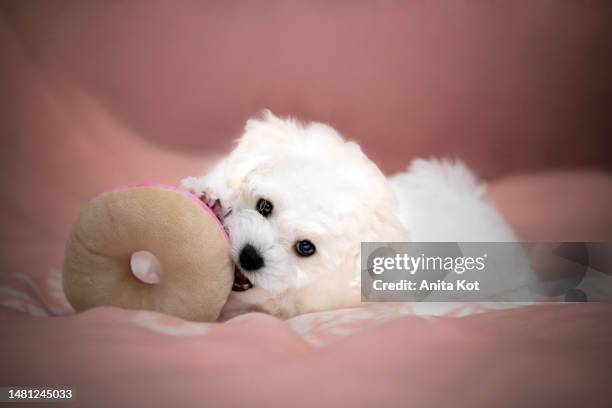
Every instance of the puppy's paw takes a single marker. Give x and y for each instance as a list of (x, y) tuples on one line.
[(194, 185), (204, 192)]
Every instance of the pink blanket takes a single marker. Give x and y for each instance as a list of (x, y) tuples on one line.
[(377, 356)]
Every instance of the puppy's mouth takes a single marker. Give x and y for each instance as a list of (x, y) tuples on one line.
[(241, 282)]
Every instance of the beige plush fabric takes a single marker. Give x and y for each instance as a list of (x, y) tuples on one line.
[(197, 270)]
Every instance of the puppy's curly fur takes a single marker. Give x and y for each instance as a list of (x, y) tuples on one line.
[(324, 190)]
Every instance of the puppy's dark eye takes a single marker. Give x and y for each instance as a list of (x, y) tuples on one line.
[(264, 207), (305, 248)]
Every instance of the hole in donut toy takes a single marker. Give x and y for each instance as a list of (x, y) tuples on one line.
[(145, 267)]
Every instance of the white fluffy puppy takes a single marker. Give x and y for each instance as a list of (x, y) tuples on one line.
[(298, 200)]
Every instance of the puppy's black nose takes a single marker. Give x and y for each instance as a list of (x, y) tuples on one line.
[(250, 259)]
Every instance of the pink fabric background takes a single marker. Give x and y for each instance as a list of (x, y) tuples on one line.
[(553, 356), (98, 94), (507, 86)]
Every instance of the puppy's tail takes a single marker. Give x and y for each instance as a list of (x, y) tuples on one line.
[(443, 173)]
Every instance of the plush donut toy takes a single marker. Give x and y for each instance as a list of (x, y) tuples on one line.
[(149, 247)]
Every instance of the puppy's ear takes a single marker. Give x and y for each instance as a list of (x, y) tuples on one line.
[(263, 136), (385, 226), (240, 164)]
